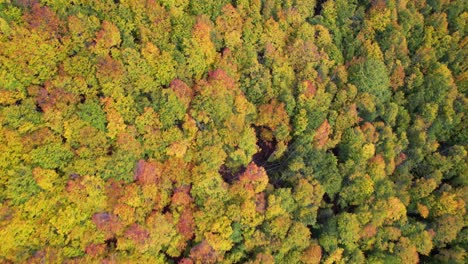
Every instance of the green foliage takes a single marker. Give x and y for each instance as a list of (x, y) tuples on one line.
[(92, 113), (348, 230), (358, 191), (51, 156), (370, 76), (20, 186), (171, 110)]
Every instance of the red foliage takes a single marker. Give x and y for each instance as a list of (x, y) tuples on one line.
[(147, 172), (108, 35), (43, 18), (74, 186), (222, 76), (47, 255), (379, 4), (181, 89), (253, 180), (400, 159), (49, 98), (137, 233), (109, 67), (95, 250), (186, 261), (184, 189), (109, 260), (253, 175), (186, 224), (25, 3), (203, 253), (101, 220), (226, 52), (107, 223), (431, 232), (114, 190)]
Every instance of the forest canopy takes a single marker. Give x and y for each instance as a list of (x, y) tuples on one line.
[(243, 131)]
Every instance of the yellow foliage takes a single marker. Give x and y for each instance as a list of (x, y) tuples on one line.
[(115, 120), (396, 210), (379, 19), (250, 216), (368, 151), (45, 178), (17, 234), (335, 256), (177, 149)]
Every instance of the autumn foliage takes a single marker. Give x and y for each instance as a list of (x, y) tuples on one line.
[(247, 131)]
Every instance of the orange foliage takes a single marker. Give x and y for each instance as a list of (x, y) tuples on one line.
[(312, 255), (370, 132), (114, 191), (108, 36), (369, 231), (147, 172), (201, 30), (39, 137), (310, 90), (181, 196), (254, 178), (128, 143), (272, 115), (322, 133), (177, 170), (397, 79), (260, 202), (400, 159), (378, 159), (263, 258), (423, 210)]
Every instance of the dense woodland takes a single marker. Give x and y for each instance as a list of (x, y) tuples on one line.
[(243, 131)]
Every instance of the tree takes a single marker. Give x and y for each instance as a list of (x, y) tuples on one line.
[(370, 76), (233, 131), (199, 50)]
